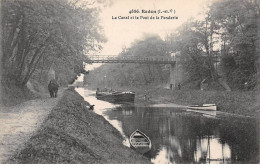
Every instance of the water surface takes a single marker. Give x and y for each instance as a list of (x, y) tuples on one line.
[(179, 136)]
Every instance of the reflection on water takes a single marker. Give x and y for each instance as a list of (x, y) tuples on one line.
[(184, 137), (100, 108)]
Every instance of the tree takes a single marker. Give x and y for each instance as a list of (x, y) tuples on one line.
[(230, 27), (37, 34), (238, 24), (194, 40), (135, 74)]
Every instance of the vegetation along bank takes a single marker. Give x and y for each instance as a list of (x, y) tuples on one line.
[(236, 102), (244, 103), (73, 134)]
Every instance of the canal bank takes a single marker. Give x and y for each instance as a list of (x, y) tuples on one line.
[(73, 134), (244, 103)]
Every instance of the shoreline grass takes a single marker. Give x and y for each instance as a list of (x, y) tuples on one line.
[(246, 103), (238, 102), (73, 134)]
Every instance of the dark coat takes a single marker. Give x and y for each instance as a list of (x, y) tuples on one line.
[(53, 88)]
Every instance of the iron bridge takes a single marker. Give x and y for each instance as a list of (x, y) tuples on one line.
[(130, 59)]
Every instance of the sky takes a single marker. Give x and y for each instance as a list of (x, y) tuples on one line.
[(121, 33)]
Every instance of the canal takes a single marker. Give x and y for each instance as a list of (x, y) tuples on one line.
[(179, 136)]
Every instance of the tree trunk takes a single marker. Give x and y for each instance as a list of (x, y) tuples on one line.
[(31, 71), (24, 55), (33, 63), (8, 49)]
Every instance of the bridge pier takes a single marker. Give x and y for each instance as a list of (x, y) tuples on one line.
[(173, 75)]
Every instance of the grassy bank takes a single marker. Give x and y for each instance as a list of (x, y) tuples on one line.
[(72, 134), (11, 94), (238, 102)]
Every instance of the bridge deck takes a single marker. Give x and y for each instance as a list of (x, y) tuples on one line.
[(130, 59)]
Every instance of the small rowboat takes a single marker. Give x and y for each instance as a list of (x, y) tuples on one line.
[(140, 142), (208, 107), (204, 112)]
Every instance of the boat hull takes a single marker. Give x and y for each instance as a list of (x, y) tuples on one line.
[(211, 113), (207, 107), (140, 142), (117, 97)]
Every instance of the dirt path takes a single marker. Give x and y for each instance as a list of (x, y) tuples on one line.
[(72, 134), (18, 123)]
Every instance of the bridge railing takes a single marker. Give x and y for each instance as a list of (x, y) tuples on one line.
[(111, 58)]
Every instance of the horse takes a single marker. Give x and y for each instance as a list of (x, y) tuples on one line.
[(53, 88)]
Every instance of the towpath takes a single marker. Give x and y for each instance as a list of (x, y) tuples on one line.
[(18, 123)]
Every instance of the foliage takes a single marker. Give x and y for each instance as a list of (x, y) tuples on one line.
[(221, 49), (238, 24), (112, 75), (40, 34), (229, 33)]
